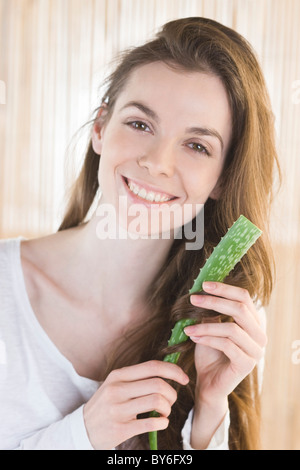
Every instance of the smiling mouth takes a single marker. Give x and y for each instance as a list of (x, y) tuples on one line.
[(146, 194)]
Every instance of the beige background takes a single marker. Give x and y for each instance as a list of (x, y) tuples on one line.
[(54, 55)]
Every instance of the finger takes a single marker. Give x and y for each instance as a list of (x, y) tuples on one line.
[(146, 404), (226, 330), (237, 310), (141, 426), (237, 357), (227, 291), (149, 369), (139, 388)]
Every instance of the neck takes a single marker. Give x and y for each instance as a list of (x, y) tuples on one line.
[(115, 274)]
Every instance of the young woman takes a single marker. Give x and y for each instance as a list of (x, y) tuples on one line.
[(85, 319)]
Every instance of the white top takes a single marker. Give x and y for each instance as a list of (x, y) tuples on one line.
[(41, 394)]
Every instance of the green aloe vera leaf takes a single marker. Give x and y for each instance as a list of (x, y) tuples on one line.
[(178, 336), (229, 251), (152, 435)]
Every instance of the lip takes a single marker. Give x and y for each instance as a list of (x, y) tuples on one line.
[(148, 187)]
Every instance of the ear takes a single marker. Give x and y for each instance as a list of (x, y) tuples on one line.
[(98, 129)]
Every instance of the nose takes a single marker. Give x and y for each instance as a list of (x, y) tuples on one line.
[(159, 160)]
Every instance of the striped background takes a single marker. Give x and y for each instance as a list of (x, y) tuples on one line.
[(54, 55)]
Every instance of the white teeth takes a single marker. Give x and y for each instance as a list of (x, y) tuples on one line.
[(142, 193), (149, 196)]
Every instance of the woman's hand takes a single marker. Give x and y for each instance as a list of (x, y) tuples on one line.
[(225, 353), (111, 414)]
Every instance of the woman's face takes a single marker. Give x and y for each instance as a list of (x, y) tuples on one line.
[(165, 143)]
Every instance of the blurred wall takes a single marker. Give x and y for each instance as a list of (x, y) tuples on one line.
[(54, 55)]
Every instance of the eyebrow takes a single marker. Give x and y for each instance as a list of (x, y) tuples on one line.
[(206, 131), (190, 130), (142, 107)]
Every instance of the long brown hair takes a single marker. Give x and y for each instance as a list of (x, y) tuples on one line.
[(200, 44)]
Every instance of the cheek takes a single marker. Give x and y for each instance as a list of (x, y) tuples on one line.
[(116, 152), (118, 149), (199, 183)]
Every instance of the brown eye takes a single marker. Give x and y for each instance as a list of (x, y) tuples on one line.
[(139, 126), (199, 148)]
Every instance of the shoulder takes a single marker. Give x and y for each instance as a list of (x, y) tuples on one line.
[(17, 262), (37, 256), (45, 266), (9, 255), (6, 247), (42, 251), (29, 266), (9, 279), (38, 253)]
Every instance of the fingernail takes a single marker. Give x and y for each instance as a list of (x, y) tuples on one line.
[(187, 379), (209, 285), (197, 299), (189, 330), (194, 338)]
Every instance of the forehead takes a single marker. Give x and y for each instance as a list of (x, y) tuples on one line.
[(197, 97)]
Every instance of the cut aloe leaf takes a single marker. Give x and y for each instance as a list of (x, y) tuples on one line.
[(178, 336), (229, 251)]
